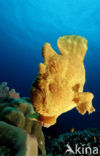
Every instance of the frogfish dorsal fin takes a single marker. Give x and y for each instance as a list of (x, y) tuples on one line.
[(47, 52)]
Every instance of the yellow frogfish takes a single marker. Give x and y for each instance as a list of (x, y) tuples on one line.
[(60, 82)]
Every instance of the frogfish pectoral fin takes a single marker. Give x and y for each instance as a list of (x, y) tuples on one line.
[(84, 102)]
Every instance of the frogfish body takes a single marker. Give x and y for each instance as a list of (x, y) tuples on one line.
[(59, 85)]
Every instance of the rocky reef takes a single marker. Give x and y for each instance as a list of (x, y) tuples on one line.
[(17, 131), (86, 138)]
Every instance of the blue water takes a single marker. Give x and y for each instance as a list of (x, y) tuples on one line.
[(25, 25)]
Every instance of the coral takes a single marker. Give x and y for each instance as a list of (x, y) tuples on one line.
[(59, 84), (12, 93), (15, 112), (15, 141), (57, 146), (5, 92), (12, 138)]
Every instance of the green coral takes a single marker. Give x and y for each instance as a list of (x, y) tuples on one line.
[(16, 112), (12, 140)]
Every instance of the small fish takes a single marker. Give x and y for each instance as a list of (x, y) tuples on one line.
[(72, 130), (49, 137), (95, 138)]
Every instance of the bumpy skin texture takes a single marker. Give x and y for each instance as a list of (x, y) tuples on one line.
[(59, 85)]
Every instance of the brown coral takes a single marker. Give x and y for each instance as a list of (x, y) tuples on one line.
[(59, 86), (5, 92), (12, 93)]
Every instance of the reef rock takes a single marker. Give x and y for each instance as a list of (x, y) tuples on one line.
[(14, 114), (16, 142), (83, 139)]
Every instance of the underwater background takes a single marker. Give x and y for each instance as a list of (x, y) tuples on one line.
[(25, 25)]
